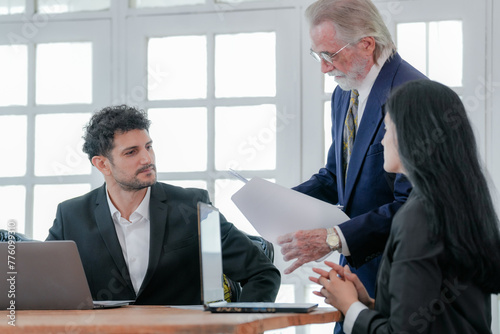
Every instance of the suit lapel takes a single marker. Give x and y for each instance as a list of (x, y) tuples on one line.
[(370, 122), (158, 222), (108, 234)]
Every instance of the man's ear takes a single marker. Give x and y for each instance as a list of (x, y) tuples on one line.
[(102, 164), (368, 45)]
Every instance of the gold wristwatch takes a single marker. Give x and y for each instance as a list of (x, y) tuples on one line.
[(332, 239)]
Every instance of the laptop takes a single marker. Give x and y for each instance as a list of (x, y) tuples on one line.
[(212, 288), (37, 275)]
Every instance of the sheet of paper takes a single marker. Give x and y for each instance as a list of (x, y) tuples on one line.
[(274, 210)]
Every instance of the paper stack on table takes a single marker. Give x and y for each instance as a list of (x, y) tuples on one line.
[(274, 210)]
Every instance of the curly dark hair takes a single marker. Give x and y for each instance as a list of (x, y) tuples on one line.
[(101, 129)]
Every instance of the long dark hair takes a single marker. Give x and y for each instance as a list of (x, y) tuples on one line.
[(438, 151)]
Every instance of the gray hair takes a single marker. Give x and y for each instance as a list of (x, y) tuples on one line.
[(353, 20)]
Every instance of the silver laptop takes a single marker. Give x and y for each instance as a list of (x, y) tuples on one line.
[(212, 288), (48, 275)]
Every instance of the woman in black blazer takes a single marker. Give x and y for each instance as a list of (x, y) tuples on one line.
[(442, 258)]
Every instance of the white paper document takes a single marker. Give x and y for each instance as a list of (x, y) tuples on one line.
[(274, 210)]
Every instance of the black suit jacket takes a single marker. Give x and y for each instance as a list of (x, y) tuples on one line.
[(417, 292), (173, 274)]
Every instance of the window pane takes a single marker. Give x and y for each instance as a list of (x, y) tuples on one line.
[(14, 78), (245, 137), (224, 189), (312, 298), (179, 139), (163, 3), (67, 6), (60, 152), (412, 44), (13, 131), (177, 68), (286, 294), (434, 48), (47, 197), (15, 196), (329, 84), (64, 73), (12, 7), (446, 52), (245, 65)]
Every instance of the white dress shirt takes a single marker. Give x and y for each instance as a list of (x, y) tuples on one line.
[(364, 90), (134, 238)]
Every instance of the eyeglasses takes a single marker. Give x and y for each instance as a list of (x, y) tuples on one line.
[(326, 56)]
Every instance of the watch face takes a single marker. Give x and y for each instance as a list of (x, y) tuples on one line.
[(332, 240)]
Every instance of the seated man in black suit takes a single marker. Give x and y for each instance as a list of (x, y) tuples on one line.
[(138, 238)]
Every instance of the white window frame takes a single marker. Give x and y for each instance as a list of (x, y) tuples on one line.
[(115, 66), (474, 48), (49, 29), (286, 100)]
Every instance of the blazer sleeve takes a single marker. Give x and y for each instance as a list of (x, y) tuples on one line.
[(322, 185), (366, 234), (56, 231), (245, 263)]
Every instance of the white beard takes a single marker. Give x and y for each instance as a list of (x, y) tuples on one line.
[(351, 80)]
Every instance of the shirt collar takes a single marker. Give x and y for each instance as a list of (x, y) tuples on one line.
[(366, 85), (141, 211)]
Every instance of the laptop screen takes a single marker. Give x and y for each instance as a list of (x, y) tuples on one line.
[(212, 289), (49, 275)]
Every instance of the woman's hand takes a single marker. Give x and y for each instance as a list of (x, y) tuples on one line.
[(363, 295), (341, 288)]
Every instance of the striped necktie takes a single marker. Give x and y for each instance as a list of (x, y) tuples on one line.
[(350, 125)]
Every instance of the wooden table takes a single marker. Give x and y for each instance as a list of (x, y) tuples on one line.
[(157, 319)]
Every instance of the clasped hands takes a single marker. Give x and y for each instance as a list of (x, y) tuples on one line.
[(341, 288)]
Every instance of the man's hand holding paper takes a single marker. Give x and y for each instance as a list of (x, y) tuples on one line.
[(289, 218), (303, 245)]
